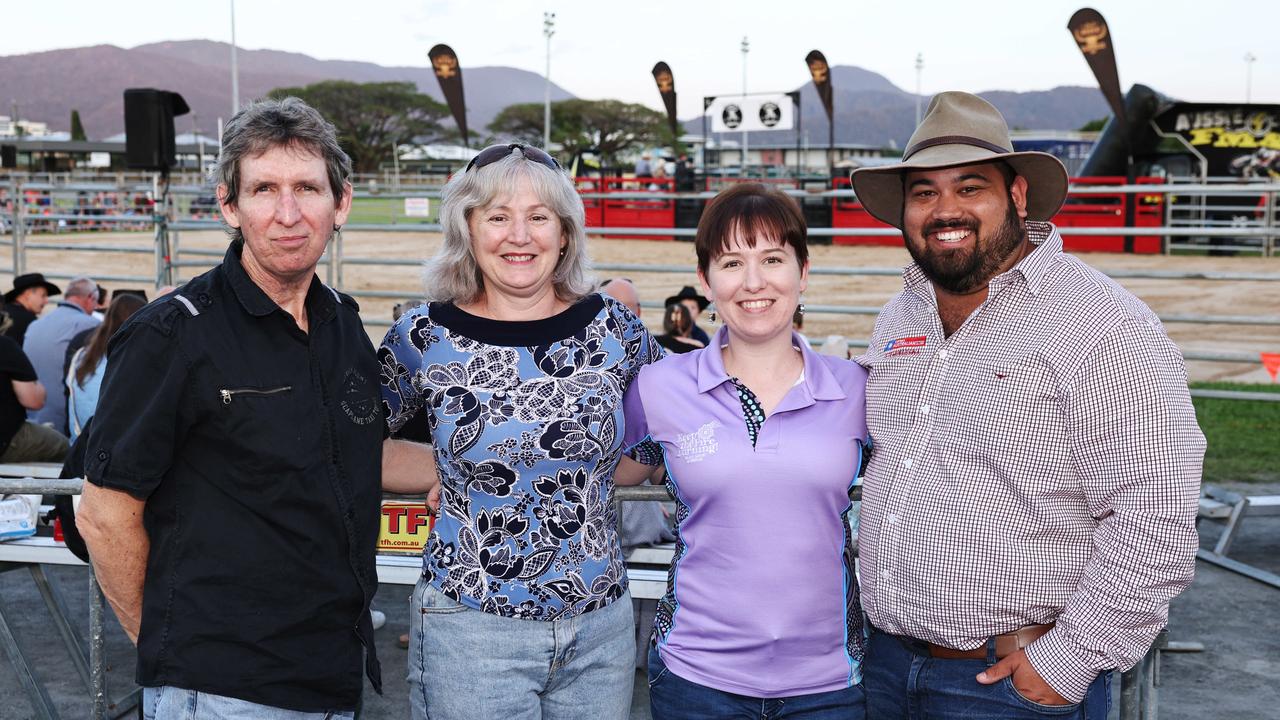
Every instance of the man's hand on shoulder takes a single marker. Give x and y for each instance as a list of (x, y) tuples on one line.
[(1025, 679)]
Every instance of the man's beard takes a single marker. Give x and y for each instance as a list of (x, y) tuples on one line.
[(961, 271)]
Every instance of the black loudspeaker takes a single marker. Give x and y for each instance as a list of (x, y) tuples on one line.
[(148, 127), (8, 156)]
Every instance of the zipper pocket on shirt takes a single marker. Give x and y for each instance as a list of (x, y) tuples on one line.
[(226, 394)]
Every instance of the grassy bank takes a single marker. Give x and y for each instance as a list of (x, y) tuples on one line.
[(1243, 435)]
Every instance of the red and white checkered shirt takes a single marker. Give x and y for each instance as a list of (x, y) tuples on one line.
[(1042, 464)]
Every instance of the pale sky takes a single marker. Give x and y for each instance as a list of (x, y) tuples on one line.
[(1193, 51)]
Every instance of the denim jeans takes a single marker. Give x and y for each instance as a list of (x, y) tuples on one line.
[(671, 697), (466, 664), (174, 703), (905, 683)]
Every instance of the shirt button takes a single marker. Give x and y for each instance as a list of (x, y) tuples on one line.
[(892, 519), (943, 354), (924, 409), (103, 455), (886, 575), (908, 463)]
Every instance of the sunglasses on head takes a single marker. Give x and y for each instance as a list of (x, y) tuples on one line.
[(494, 153)]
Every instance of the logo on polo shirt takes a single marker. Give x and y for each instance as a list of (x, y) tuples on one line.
[(358, 402), (693, 447), (905, 346)]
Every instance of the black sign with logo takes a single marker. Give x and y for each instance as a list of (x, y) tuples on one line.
[(1235, 140)]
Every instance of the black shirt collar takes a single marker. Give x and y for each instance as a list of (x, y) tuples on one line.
[(321, 302)]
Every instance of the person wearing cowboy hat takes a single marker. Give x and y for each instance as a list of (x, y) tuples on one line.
[(23, 303), (696, 304), (1029, 510)]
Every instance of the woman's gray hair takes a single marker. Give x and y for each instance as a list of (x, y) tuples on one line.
[(268, 124), (452, 275)]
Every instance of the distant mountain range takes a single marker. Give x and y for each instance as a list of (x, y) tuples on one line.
[(46, 86)]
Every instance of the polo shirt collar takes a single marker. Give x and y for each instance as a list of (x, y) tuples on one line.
[(818, 384), (321, 303)]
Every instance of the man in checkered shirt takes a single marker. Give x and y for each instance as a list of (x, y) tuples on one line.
[(1029, 510)]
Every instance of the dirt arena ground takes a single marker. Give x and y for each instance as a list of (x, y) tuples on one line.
[(1203, 297)]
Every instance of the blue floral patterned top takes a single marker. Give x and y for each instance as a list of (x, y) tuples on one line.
[(526, 424)]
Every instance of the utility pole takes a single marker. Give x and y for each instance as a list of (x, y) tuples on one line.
[(548, 29)]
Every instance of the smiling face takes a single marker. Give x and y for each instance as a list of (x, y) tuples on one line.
[(517, 241), (756, 289), (963, 225), (286, 211)]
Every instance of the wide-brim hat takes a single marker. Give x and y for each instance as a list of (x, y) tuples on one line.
[(688, 293), (30, 280), (961, 129)]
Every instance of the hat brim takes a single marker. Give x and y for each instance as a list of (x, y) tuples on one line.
[(48, 286), (702, 301), (880, 189)]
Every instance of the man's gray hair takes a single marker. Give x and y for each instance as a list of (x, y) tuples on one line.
[(452, 275), (268, 124), (81, 287)]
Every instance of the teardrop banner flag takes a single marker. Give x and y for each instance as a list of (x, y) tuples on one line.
[(821, 73), (667, 88), (1093, 37), (445, 63), (1271, 361)]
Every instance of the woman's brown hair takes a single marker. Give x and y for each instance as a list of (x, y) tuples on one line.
[(749, 210), (121, 308)]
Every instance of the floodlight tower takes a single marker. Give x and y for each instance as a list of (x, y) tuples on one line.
[(548, 29), (919, 67), (746, 46), (235, 72), (1249, 60)]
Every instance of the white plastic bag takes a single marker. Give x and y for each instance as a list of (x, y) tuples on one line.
[(18, 516)]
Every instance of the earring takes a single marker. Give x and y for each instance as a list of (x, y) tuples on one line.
[(711, 316), (800, 308)]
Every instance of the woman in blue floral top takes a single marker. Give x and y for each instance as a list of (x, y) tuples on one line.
[(522, 609)]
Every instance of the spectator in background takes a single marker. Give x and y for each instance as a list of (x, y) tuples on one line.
[(20, 439), (89, 363), (46, 345), (696, 304), (25, 301), (644, 168), (624, 291), (677, 325)]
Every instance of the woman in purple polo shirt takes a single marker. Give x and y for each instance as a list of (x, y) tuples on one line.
[(762, 439)]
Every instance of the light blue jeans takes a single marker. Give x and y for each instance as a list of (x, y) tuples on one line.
[(174, 703), (466, 664)]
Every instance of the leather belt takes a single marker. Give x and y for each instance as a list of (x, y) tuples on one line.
[(1006, 644)]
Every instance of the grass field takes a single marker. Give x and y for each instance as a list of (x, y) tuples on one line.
[(1243, 435), (386, 211)]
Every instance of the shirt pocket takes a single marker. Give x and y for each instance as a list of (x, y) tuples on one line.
[(263, 426), (1004, 409)]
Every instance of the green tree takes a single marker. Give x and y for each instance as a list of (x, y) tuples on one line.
[(372, 118), (606, 127), (1093, 125), (77, 130)]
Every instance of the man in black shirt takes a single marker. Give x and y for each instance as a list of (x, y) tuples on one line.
[(20, 391), (234, 462)]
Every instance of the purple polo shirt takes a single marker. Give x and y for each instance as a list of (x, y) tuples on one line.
[(761, 598)]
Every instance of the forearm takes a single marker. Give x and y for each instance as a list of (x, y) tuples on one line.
[(630, 472), (408, 468), (118, 548)]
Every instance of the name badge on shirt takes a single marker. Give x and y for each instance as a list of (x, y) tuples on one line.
[(694, 446), (905, 346)]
